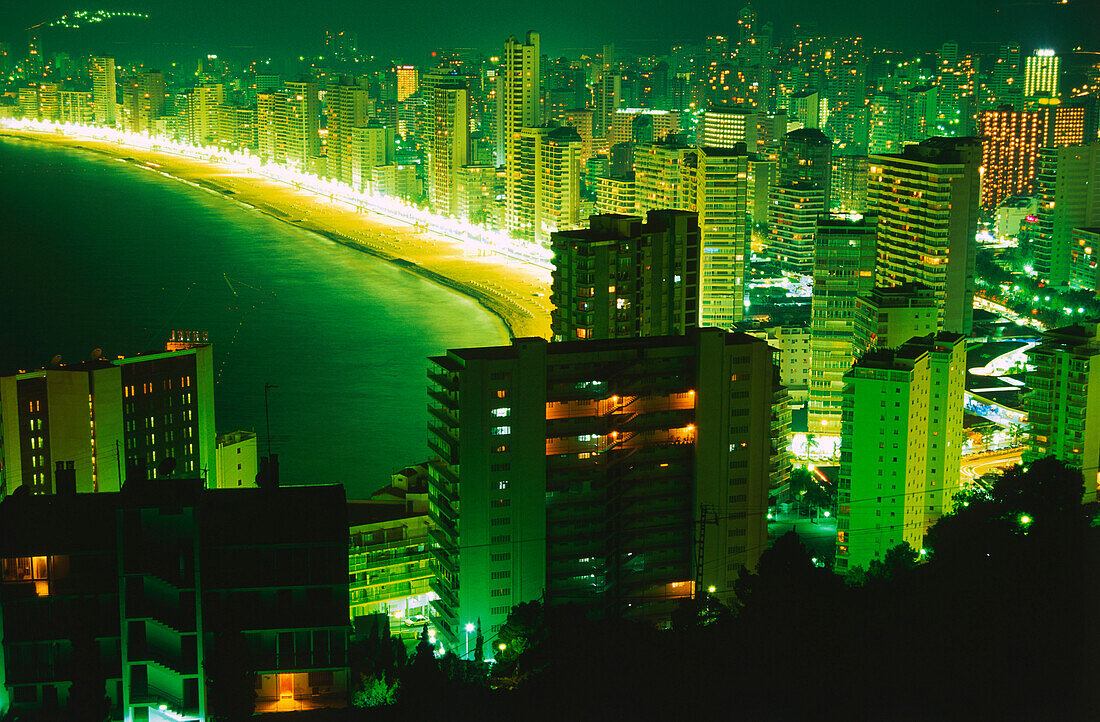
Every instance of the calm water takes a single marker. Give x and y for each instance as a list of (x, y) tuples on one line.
[(96, 253)]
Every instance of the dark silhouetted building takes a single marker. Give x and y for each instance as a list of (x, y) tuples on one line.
[(167, 581), (622, 278)]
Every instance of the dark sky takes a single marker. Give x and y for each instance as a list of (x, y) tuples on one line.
[(408, 30)]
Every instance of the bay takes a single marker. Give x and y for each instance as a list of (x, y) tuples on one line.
[(99, 253)]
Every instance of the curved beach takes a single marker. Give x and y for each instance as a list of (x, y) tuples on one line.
[(516, 292)]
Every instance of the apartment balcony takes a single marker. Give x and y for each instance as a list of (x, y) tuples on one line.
[(445, 539), (442, 526), (445, 399), (444, 380), (444, 415), (403, 577), (444, 474), (444, 450), (445, 613), (441, 561), (445, 593)]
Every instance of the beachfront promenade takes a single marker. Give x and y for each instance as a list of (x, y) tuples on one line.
[(516, 286)]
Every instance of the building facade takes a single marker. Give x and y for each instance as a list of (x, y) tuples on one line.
[(160, 581), (1062, 402), (844, 272), (926, 199), (901, 446), (575, 472), (108, 418), (1068, 190), (623, 278)]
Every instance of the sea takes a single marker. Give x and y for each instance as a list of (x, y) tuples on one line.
[(98, 253)]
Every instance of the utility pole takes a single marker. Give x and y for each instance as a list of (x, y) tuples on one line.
[(267, 415), (707, 515)]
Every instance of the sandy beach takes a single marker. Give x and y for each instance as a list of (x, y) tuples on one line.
[(516, 292)]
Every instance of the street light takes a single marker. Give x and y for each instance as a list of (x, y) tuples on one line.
[(469, 628), (712, 589)]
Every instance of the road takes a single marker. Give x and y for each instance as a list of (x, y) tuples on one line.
[(973, 467)]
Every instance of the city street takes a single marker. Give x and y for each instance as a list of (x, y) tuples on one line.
[(818, 535), (976, 466)]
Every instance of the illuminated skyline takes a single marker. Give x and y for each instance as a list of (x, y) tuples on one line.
[(250, 27)]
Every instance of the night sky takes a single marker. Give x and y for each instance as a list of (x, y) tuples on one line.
[(408, 30)]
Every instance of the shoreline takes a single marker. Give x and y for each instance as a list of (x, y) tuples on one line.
[(517, 294)]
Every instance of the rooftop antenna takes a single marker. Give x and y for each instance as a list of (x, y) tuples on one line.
[(267, 414)]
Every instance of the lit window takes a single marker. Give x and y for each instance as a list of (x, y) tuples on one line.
[(501, 412), (501, 430)]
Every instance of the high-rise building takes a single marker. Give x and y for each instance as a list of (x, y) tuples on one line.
[(628, 123), (919, 119), (163, 580), (615, 194), (761, 179), (270, 117), (143, 101), (622, 277), (724, 127), (716, 181), (479, 190), (793, 210), (104, 99), (1006, 86), (849, 183), (582, 119), (1068, 187), (76, 106), (546, 183), (108, 417), (49, 101), (347, 106), (805, 157), (844, 271), (889, 316), (28, 102), (926, 199), (1041, 75), (301, 123), (901, 446), (371, 146), (887, 127), (1069, 125), (519, 91), (1063, 400), (805, 108), (533, 496), (658, 176), (1011, 140), (1085, 259), (793, 354), (197, 113), (799, 194), (236, 128), (407, 81), (449, 147), (608, 93)]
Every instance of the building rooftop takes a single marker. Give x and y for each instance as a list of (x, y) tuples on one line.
[(590, 347)]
